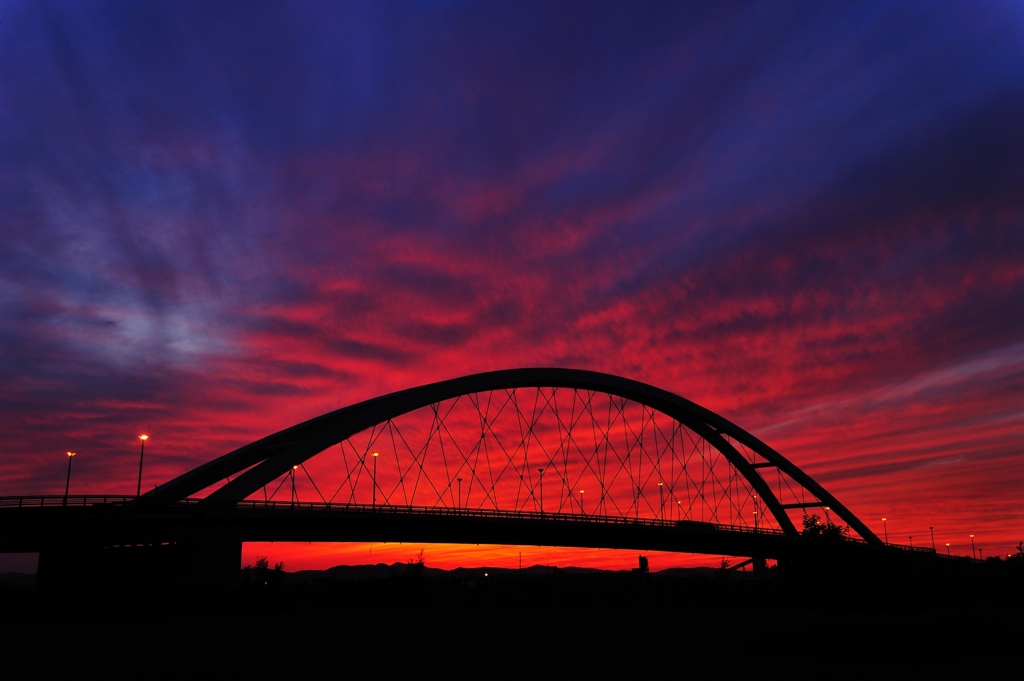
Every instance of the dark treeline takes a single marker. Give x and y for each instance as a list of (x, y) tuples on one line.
[(923, 586)]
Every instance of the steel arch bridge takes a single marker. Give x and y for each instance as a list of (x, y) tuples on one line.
[(604, 447), (542, 456)]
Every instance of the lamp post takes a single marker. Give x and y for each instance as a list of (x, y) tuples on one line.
[(911, 541), (142, 452), (375, 454), (67, 483), (541, 471), (582, 512), (932, 530), (458, 505), (294, 496), (973, 553), (679, 510), (947, 549), (661, 500), (885, 530)]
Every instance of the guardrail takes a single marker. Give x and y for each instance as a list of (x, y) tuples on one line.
[(485, 513), (327, 507), (53, 500), (911, 549)]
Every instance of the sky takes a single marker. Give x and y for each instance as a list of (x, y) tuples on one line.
[(221, 219)]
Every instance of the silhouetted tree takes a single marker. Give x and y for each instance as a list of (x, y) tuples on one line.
[(261, 574), (813, 527), (1017, 559), (417, 566)]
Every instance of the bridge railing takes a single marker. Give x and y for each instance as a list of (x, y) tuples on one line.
[(524, 515), (913, 549), (483, 513), (50, 500), (78, 501)]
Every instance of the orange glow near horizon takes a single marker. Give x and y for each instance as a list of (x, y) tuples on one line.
[(306, 556)]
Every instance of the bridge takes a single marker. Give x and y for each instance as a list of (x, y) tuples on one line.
[(545, 456)]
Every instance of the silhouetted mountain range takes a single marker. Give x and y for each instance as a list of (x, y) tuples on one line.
[(384, 571)]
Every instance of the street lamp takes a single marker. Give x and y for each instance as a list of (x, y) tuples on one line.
[(458, 505), (582, 512), (973, 554), (375, 454), (947, 549), (541, 471), (142, 452), (661, 498), (932, 530), (885, 530), (67, 483), (294, 496)]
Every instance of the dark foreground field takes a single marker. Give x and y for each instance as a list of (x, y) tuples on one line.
[(512, 625)]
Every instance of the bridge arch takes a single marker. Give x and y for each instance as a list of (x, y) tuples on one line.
[(756, 479)]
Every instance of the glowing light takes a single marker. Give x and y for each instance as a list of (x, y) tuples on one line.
[(142, 453)]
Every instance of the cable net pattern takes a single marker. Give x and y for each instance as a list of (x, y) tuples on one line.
[(536, 451)]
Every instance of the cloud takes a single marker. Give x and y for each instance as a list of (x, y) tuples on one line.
[(220, 222)]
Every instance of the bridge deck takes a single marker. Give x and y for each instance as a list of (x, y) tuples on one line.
[(35, 523)]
